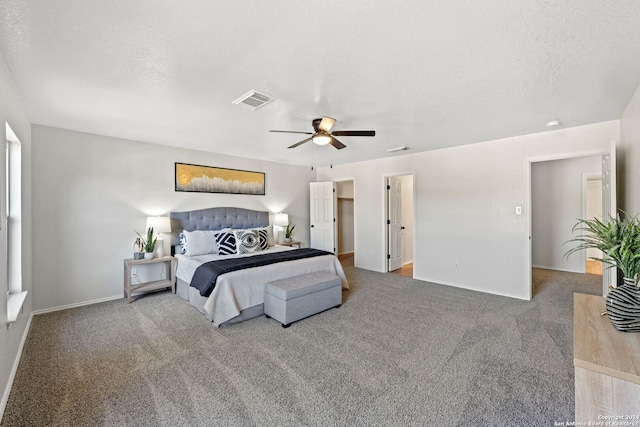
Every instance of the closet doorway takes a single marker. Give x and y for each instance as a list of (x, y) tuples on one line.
[(346, 223)]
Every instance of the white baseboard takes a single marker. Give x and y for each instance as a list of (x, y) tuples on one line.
[(14, 369), (566, 270), (407, 262), (470, 288), (77, 304)]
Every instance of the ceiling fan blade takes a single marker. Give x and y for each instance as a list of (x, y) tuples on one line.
[(326, 123), (339, 145), (291, 131), (299, 143), (354, 133)]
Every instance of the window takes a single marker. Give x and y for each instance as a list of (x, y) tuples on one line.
[(13, 224)]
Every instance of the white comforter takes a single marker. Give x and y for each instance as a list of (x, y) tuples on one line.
[(242, 289)]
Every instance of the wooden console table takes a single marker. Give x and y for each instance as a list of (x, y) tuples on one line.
[(170, 282), (607, 365)]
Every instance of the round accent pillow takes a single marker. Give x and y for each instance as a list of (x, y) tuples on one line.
[(623, 308)]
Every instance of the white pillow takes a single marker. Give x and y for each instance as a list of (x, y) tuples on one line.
[(199, 242)]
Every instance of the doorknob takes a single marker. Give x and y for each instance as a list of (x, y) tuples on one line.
[(401, 228), (312, 226)]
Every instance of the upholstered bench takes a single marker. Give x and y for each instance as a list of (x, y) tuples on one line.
[(294, 298)]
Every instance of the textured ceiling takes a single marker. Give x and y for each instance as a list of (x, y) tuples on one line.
[(426, 74)]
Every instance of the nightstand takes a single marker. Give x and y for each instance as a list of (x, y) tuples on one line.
[(129, 289), (290, 244)]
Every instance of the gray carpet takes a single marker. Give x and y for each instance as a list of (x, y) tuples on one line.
[(398, 352)]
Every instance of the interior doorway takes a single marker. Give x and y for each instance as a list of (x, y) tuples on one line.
[(346, 223), (400, 223), (607, 161)]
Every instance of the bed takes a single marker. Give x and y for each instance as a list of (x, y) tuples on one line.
[(237, 295)]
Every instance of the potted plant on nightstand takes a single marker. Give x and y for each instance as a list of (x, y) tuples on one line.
[(619, 241), (149, 244), (288, 232)]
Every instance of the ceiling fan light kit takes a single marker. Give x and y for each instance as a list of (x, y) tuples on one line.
[(322, 136)]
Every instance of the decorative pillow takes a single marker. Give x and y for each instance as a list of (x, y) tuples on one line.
[(198, 242), (263, 238), (226, 242), (247, 241)]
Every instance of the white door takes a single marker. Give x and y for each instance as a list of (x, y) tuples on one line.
[(394, 222), (323, 216), (609, 209)]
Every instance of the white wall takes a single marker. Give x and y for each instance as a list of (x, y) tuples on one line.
[(345, 226), (12, 112), (629, 156), (593, 208), (556, 196), (464, 206), (91, 192)]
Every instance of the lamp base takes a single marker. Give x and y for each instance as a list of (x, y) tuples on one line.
[(159, 248)]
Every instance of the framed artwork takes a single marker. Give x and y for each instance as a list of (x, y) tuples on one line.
[(209, 179)]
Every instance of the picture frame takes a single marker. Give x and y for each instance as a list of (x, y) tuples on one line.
[(212, 179)]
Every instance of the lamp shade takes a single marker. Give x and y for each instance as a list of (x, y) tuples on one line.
[(281, 220), (160, 224)]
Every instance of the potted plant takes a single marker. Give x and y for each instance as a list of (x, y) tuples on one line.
[(288, 232), (619, 241), (617, 238), (149, 244)]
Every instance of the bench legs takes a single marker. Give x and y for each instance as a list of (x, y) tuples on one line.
[(289, 324)]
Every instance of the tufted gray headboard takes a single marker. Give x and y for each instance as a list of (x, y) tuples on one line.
[(215, 219)]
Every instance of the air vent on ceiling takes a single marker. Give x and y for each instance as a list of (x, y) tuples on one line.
[(253, 100)]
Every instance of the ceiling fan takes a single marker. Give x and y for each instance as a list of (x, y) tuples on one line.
[(323, 136)]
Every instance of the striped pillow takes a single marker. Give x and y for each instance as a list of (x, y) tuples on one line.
[(263, 238), (226, 242)]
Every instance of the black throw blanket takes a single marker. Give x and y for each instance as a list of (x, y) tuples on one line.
[(205, 276)]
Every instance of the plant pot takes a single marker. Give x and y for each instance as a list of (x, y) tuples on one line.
[(287, 239), (623, 307), (148, 255)]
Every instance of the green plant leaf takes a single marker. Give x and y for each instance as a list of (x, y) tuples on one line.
[(617, 238)]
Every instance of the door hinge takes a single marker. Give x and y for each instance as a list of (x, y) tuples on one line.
[(388, 187), (388, 222), (388, 256), (334, 220)]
